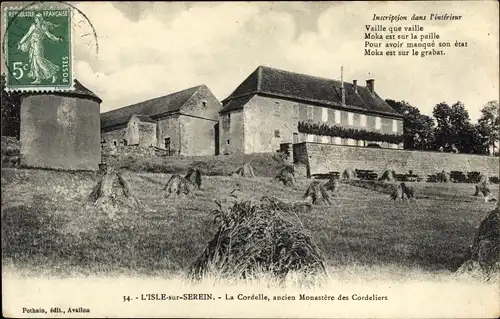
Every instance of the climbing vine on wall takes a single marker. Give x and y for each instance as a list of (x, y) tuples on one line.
[(337, 131)]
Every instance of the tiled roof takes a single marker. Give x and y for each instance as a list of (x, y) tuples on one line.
[(165, 104), (78, 90), (308, 89)]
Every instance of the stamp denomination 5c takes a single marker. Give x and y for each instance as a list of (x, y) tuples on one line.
[(38, 50)]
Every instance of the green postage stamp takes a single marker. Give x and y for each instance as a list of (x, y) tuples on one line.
[(38, 49)]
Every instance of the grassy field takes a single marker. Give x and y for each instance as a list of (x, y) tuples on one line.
[(46, 226)]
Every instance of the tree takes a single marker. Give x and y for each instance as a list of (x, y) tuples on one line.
[(418, 129), (442, 132), (489, 123), (11, 111), (455, 128)]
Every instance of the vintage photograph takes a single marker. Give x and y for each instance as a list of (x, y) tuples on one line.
[(250, 159)]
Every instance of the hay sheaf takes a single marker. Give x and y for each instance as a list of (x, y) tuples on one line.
[(286, 176), (389, 176), (112, 195), (266, 237), (332, 185), (194, 176), (484, 259), (244, 171), (444, 177), (178, 185), (483, 189), (348, 174), (317, 194)]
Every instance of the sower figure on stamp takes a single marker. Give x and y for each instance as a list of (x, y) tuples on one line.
[(32, 42)]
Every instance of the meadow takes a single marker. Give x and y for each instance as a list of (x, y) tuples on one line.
[(46, 228)]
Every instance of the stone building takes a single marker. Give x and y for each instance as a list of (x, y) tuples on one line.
[(265, 110), (182, 123), (60, 130)]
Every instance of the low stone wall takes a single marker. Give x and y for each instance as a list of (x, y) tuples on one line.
[(324, 158)]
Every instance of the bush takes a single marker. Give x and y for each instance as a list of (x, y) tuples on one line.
[(494, 180), (473, 177), (458, 177)]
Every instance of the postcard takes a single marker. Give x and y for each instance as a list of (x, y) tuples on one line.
[(250, 159)]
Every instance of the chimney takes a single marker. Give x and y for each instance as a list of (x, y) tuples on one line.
[(342, 84), (355, 85), (370, 84)]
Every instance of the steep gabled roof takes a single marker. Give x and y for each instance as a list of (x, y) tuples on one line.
[(306, 88), (165, 104)]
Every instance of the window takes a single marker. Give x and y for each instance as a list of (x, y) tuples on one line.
[(394, 126), (167, 143), (124, 142), (337, 116), (296, 110), (362, 120), (378, 123), (324, 114), (228, 116), (277, 133), (309, 112), (204, 103), (350, 118), (227, 142), (114, 142), (276, 108)]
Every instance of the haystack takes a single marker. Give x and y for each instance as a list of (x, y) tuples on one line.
[(388, 176), (349, 174), (444, 177), (194, 177), (332, 185), (317, 194), (408, 191), (264, 238), (483, 189), (287, 176), (397, 192), (177, 185), (483, 178), (112, 194), (484, 256), (245, 171)]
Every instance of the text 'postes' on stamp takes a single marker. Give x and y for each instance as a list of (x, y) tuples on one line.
[(38, 50)]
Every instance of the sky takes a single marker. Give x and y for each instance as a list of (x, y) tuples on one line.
[(151, 49)]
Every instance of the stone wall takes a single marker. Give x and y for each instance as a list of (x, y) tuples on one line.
[(147, 134), (323, 158), (60, 132), (198, 136), (118, 135), (232, 134)]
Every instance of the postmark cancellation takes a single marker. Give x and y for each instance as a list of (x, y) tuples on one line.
[(38, 49)]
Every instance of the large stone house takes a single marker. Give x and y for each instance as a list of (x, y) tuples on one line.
[(183, 123), (273, 106)]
